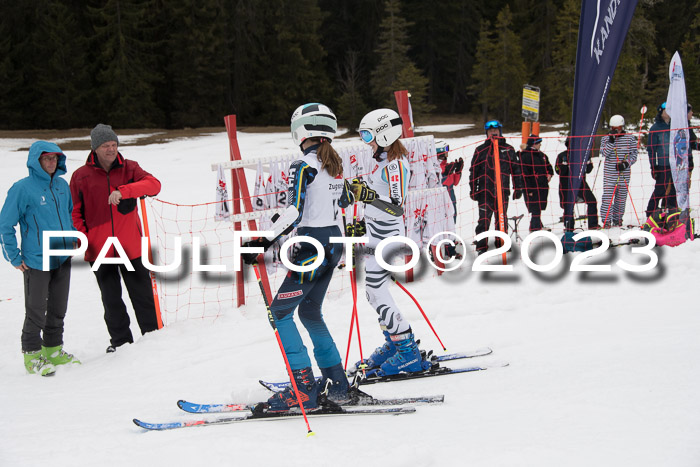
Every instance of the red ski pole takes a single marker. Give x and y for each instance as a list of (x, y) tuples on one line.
[(271, 318), (354, 320), (421, 310)]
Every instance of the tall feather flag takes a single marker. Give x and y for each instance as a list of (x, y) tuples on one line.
[(602, 30), (677, 109), (223, 211)]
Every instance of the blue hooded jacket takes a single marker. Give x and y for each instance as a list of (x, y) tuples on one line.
[(38, 202)]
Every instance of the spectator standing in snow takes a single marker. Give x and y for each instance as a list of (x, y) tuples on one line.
[(537, 172), (451, 172), (694, 145), (620, 152), (561, 167), (482, 179), (664, 194), (104, 193), (38, 203)]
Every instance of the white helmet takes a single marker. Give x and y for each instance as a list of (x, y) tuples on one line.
[(313, 121), (617, 120), (382, 125)]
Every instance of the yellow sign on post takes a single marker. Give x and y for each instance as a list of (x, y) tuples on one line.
[(531, 102)]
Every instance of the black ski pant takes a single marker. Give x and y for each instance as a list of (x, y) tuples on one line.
[(536, 202), (45, 304), (487, 209), (138, 284), (588, 197), (664, 192)]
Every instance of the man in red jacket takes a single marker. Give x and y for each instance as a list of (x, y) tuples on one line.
[(104, 193)]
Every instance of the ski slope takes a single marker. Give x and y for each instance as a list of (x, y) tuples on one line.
[(603, 366)]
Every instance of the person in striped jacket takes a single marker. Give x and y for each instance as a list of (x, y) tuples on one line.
[(620, 152)]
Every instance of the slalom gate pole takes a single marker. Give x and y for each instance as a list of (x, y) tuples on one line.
[(641, 122), (421, 310), (154, 286), (500, 222), (271, 319)]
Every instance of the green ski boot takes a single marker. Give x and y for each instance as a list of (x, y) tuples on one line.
[(57, 356), (35, 362)]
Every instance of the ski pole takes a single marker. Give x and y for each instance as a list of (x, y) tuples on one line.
[(421, 310), (354, 320), (354, 300), (627, 186), (271, 319), (354, 294)]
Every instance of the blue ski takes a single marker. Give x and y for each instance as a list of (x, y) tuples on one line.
[(361, 400), (372, 377), (251, 416), (276, 387)]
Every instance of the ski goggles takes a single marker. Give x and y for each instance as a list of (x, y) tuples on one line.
[(366, 135), (492, 124)]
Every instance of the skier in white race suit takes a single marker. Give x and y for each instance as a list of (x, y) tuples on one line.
[(384, 194)]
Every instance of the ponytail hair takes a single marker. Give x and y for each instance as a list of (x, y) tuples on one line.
[(396, 150), (329, 158)]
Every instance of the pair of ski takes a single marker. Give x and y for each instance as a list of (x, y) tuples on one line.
[(360, 404)]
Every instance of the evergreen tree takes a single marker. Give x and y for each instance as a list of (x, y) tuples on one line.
[(394, 70), (125, 64), (285, 66), (16, 58), (499, 72), (350, 27), (351, 106), (690, 55), (196, 63), (629, 86), (443, 39), (63, 85), (558, 92)]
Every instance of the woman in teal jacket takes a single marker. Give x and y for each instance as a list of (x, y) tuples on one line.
[(39, 202)]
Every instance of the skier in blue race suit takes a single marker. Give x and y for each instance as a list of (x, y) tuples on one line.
[(316, 191)]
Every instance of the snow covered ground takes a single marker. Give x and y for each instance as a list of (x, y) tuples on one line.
[(603, 366)]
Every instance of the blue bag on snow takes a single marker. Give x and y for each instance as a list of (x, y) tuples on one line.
[(567, 241)]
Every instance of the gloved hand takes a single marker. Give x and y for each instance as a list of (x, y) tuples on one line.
[(459, 165), (623, 165), (589, 168), (252, 258), (517, 194), (361, 191), (449, 168), (356, 229)]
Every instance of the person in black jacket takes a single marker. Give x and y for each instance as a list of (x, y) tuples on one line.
[(694, 145), (537, 171), (482, 180), (561, 166)]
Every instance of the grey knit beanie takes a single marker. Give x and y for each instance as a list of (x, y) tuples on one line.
[(101, 134)]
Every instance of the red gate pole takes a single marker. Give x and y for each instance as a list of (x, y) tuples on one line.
[(239, 183), (404, 106)]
